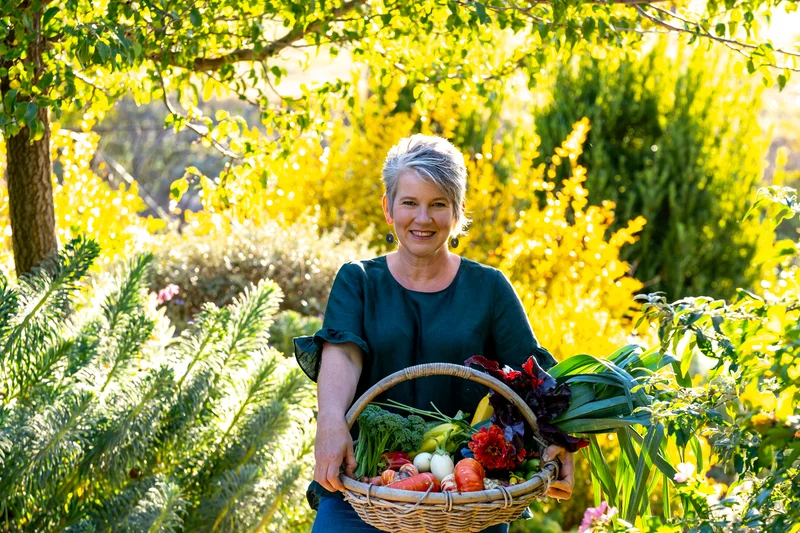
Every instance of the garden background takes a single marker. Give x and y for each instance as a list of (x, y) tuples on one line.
[(203, 169)]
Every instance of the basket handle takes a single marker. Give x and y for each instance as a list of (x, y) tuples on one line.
[(440, 369)]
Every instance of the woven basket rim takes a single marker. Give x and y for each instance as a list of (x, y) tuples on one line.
[(549, 470)]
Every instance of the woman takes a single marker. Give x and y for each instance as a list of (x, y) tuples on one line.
[(419, 304)]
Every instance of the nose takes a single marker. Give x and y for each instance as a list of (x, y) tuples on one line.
[(423, 215)]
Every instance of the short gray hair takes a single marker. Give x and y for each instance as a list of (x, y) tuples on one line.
[(434, 159)]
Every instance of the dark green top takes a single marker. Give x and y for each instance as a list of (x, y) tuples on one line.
[(477, 314)]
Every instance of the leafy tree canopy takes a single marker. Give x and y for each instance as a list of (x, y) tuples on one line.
[(94, 52)]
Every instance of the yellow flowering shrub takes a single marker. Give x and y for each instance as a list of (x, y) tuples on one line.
[(84, 203), (553, 246)]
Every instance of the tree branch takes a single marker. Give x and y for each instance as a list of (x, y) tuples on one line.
[(201, 131), (248, 54), (733, 44)]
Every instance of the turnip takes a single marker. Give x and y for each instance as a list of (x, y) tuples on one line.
[(442, 465), (423, 462)]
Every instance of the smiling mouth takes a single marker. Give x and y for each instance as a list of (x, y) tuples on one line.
[(422, 233)]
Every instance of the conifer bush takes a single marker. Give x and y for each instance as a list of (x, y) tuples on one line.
[(107, 423), (676, 141)]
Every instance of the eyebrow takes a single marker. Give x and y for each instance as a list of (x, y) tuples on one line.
[(414, 198)]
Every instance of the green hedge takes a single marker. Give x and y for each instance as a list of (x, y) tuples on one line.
[(209, 268), (677, 141)]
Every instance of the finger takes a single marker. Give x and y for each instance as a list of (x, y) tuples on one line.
[(552, 452), (320, 476), (350, 462), (568, 468), (333, 476)]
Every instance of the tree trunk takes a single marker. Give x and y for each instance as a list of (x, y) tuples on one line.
[(30, 197), (29, 174)]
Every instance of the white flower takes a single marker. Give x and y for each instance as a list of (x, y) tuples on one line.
[(684, 473)]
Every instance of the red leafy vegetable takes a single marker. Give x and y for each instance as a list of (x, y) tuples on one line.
[(546, 398)]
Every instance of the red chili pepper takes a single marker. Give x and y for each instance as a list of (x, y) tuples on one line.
[(393, 460)]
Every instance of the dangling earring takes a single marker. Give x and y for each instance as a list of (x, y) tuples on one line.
[(390, 237), (454, 242)]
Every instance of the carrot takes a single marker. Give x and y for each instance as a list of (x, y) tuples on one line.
[(419, 483)]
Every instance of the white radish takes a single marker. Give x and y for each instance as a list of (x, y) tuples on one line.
[(442, 466), (423, 462)]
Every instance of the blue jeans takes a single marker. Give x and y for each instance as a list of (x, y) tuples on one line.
[(336, 515)]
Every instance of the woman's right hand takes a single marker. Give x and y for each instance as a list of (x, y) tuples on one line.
[(333, 447)]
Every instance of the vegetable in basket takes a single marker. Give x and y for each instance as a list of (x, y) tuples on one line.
[(381, 431), (583, 394), (420, 483)]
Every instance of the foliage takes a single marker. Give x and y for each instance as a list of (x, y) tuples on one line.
[(85, 204), (217, 267), (288, 325), (677, 141), (108, 424), (93, 53), (738, 425)]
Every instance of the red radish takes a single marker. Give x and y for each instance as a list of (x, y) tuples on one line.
[(410, 469), (419, 483), (388, 476)]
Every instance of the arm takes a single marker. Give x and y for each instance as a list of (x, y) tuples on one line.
[(338, 376)]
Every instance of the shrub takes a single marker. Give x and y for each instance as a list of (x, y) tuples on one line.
[(216, 267), (288, 325), (108, 424), (676, 141)]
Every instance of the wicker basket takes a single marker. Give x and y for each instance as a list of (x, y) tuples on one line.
[(412, 512)]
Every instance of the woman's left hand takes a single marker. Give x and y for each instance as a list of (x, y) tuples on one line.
[(561, 489)]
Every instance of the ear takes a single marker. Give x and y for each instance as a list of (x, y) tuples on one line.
[(385, 204)]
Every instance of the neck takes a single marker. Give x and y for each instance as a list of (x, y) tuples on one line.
[(422, 269)]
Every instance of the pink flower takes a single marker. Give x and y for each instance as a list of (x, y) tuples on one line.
[(685, 471), (596, 516), (167, 293)]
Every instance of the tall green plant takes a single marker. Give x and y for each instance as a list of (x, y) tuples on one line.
[(108, 424), (676, 141)]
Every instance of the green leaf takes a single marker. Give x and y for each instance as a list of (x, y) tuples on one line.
[(30, 112), (601, 425), (598, 409), (587, 28), (195, 18), (650, 445), (602, 471), (37, 130), (480, 9), (9, 100), (48, 15)]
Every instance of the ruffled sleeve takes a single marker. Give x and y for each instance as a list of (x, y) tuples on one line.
[(344, 320)]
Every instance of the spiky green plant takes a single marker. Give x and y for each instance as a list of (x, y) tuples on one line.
[(108, 424)]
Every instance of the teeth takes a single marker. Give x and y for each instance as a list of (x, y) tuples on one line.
[(423, 233)]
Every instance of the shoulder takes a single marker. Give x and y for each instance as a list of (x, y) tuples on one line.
[(480, 271), (362, 268), (489, 278)]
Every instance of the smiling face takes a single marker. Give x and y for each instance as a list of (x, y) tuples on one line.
[(423, 217)]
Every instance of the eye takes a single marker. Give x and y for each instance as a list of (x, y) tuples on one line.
[(440, 204), (408, 202)]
